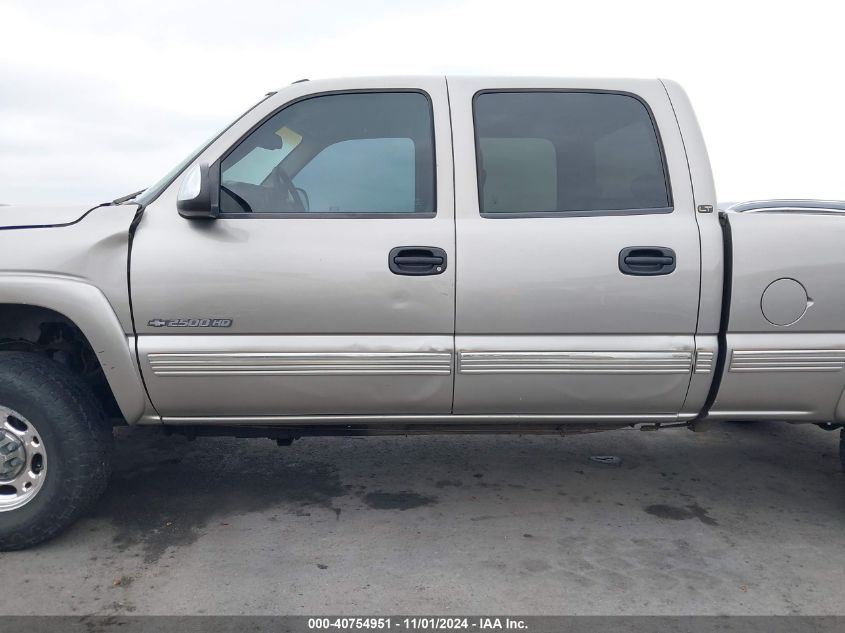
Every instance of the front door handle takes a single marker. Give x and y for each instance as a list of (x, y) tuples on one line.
[(416, 260), (646, 260)]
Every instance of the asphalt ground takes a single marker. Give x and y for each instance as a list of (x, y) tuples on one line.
[(743, 519)]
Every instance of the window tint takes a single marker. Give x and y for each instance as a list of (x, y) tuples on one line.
[(256, 166), (557, 152), (521, 173), (350, 153), (362, 175)]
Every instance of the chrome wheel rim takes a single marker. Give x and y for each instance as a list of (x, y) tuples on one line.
[(23, 460)]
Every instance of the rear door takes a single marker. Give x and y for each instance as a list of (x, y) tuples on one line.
[(578, 252), (326, 286)]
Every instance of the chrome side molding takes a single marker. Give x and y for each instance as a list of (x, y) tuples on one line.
[(300, 364), (787, 360), (703, 361), (610, 362)]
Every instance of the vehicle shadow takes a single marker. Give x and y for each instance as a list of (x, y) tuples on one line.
[(165, 491)]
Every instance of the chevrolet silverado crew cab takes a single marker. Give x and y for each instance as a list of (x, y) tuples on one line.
[(413, 255)]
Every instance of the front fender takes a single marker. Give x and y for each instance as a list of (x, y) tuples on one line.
[(89, 309)]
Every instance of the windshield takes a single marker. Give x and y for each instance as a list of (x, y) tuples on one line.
[(151, 193)]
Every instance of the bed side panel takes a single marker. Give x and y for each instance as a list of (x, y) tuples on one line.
[(786, 331)]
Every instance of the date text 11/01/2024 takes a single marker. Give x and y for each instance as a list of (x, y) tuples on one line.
[(418, 623)]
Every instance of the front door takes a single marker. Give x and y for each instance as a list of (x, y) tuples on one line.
[(578, 253), (326, 286)]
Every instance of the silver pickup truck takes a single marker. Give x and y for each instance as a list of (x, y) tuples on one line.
[(413, 255)]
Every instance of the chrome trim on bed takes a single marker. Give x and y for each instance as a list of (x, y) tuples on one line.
[(787, 360)]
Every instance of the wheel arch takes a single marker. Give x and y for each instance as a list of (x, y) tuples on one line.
[(28, 301)]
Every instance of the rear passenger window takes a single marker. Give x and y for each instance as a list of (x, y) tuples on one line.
[(567, 152)]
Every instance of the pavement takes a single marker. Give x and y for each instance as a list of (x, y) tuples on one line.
[(744, 519)]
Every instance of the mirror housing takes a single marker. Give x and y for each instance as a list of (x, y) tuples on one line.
[(198, 193)]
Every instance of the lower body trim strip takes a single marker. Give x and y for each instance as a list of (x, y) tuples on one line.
[(299, 420)]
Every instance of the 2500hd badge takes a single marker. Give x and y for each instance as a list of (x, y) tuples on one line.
[(190, 322)]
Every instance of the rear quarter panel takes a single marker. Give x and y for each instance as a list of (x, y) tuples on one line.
[(796, 370)]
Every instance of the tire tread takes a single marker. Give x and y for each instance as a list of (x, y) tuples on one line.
[(86, 436)]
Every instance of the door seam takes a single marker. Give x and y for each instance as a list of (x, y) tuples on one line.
[(455, 254)]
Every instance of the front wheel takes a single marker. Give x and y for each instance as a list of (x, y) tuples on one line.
[(55, 449)]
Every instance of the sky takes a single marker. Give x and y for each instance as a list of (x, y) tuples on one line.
[(101, 98)]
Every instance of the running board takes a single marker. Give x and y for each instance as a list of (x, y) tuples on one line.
[(415, 419)]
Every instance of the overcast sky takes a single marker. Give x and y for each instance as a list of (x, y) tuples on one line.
[(101, 98)]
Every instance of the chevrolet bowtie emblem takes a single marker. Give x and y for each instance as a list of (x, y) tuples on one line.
[(157, 323)]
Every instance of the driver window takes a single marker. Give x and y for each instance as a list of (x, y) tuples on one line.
[(357, 153)]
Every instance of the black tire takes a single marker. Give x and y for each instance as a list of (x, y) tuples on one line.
[(77, 439), (842, 449)]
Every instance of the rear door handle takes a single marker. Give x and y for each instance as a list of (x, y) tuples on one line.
[(416, 260), (647, 260)]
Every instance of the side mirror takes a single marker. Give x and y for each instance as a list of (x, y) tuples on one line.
[(197, 194)]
